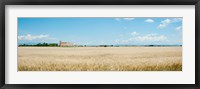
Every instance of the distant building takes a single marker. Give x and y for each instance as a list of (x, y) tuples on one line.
[(66, 44)]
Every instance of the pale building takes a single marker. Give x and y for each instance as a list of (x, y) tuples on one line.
[(65, 44)]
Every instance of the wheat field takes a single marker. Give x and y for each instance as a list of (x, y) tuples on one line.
[(99, 58)]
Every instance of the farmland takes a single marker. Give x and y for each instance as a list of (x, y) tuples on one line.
[(99, 58)]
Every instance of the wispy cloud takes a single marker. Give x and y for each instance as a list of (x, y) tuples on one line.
[(21, 37), (143, 39), (176, 19), (30, 37), (179, 28), (126, 19), (164, 23), (134, 33), (149, 38), (129, 19), (149, 20), (117, 19)]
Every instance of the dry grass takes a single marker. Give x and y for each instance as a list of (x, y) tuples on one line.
[(100, 59)]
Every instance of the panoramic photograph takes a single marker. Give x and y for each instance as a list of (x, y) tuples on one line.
[(100, 44)]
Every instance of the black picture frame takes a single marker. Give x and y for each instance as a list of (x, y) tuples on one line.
[(3, 3)]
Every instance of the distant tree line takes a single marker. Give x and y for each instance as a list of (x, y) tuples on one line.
[(127, 45), (40, 44), (55, 45)]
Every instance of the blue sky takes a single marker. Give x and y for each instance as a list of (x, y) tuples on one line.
[(101, 31)]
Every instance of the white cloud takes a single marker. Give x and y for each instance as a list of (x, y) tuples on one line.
[(164, 23), (32, 37), (20, 37), (121, 41), (176, 19), (129, 19), (178, 28), (149, 20), (117, 19), (149, 38), (136, 38), (116, 41), (134, 33)]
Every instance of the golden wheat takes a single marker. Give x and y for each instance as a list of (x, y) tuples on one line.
[(100, 58)]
